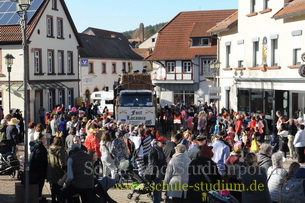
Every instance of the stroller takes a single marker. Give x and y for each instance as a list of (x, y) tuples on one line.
[(9, 162), (140, 186)]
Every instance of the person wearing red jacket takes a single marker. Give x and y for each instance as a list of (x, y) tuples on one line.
[(92, 142), (238, 125)]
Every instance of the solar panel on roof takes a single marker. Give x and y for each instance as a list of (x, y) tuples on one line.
[(8, 11)]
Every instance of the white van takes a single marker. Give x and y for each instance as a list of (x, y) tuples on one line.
[(103, 98)]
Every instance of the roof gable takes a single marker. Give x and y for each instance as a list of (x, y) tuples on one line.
[(174, 39)]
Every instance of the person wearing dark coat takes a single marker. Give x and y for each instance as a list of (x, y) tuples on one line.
[(202, 171), (39, 163), (12, 133), (156, 167), (169, 149)]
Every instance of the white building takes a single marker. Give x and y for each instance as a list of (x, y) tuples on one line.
[(104, 54), (181, 57), (260, 55), (52, 57)]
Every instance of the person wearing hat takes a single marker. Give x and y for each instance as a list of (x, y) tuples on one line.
[(12, 133), (221, 152), (200, 141), (156, 167), (177, 174)]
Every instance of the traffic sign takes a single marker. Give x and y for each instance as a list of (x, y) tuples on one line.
[(215, 90), (200, 92)]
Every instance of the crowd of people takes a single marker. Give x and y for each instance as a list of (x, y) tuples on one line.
[(196, 149)]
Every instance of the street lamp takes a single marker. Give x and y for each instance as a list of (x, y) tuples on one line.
[(22, 8), (9, 59)]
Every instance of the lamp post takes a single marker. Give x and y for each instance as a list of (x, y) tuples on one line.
[(9, 59), (22, 7)]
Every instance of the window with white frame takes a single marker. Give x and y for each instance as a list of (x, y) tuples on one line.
[(170, 66), (49, 26), (240, 53), (255, 54), (200, 42), (50, 61), (70, 97), (266, 2), (297, 56), (252, 6), (60, 62), (59, 28), (187, 66), (274, 52), (61, 97), (228, 56), (205, 66), (37, 61), (70, 62)]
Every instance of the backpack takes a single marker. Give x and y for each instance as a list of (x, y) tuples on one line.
[(293, 191)]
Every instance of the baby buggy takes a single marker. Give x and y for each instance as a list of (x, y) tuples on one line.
[(9, 163), (140, 186)]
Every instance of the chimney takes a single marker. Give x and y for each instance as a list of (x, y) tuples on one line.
[(141, 32)]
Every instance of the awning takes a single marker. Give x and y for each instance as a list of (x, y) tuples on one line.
[(33, 86)]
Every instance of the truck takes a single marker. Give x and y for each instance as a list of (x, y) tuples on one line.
[(135, 100), (103, 99)]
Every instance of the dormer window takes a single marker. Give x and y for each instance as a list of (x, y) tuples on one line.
[(200, 42)]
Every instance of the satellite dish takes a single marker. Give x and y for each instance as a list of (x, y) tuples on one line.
[(161, 72)]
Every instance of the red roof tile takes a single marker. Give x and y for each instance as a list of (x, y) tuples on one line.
[(174, 38), (226, 24), (294, 8)]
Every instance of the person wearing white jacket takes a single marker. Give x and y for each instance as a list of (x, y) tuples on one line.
[(299, 144)]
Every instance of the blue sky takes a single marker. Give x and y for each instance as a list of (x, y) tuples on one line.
[(124, 15)]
